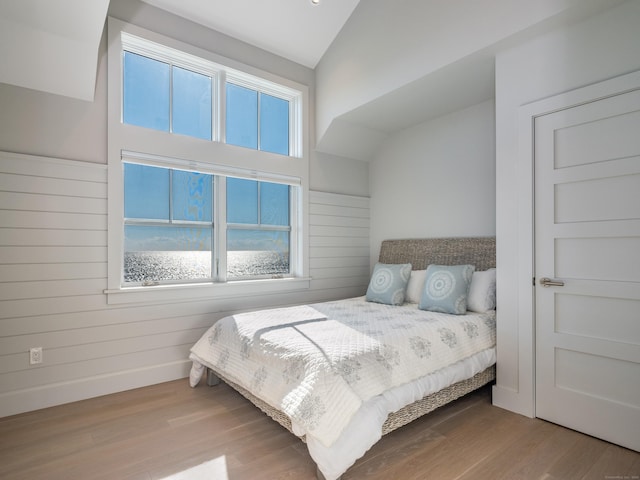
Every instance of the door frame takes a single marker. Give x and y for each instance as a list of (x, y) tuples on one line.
[(522, 400)]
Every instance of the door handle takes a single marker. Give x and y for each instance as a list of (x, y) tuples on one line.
[(548, 282)]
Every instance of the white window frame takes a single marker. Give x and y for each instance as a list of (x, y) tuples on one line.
[(153, 147)]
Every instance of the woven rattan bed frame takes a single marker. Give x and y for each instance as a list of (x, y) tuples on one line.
[(478, 251)]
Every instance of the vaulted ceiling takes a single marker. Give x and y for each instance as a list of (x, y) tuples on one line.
[(52, 46), (298, 30)]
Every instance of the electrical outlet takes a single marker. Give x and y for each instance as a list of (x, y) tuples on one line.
[(35, 355)]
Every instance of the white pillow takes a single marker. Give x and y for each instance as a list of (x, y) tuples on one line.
[(415, 285), (482, 292)]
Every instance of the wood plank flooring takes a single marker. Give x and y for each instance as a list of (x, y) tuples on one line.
[(161, 430)]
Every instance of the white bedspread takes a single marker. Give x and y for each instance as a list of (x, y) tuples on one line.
[(320, 363), (365, 429)]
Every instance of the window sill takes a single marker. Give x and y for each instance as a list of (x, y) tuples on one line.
[(211, 291)]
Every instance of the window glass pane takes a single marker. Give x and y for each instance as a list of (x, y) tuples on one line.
[(191, 103), (274, 204), (166, 253), (274, 124), (257, 252), (242, 116), (192, 196), (146, 92), (242, 201), (146, 192)]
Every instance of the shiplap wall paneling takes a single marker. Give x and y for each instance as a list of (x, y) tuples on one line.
[(339, 244), (53, 272), (53, 269)]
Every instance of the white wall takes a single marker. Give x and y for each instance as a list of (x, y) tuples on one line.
[(436, 179), (598, 48), (330, 173), (53, 242), (38, 123)]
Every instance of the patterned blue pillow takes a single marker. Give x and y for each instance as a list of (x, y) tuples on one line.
[(389, 283), (446, 288)]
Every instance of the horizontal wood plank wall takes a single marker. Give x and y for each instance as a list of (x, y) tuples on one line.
[(53, 271), (339, 244)]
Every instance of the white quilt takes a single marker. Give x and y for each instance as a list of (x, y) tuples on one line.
[(319, 363)]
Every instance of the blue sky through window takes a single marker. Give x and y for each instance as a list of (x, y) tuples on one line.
[(146, 192), (192, 195), (274, 124), (257, 120), (274, 204), (146, 92), (164, 195), (170, 98), (147, 197), (242, 116), (191, 103), (250, 202), (242, 201)]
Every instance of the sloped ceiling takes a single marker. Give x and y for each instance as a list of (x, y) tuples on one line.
[(297, 30), (360, 132), (52, 46), (418, 70)]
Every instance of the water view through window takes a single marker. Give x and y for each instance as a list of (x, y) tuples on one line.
[(169, 226)]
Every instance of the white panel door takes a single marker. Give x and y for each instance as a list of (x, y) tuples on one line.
[(587, 244)]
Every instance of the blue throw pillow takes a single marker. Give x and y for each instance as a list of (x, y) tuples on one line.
[(446, 288), (389, 283)]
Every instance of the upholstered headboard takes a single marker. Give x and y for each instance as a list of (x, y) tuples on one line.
[(421, 252)]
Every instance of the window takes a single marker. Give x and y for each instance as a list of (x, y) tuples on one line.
[(146, 92), (165, 97), (187, 207), (174, 92), (257, 228), (168, 225), (169, 229), (257, 120)]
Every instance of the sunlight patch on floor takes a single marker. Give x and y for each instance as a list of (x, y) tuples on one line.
[(215, 469)]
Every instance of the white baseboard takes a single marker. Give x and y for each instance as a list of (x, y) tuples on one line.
[(513, 401), (36, 398)]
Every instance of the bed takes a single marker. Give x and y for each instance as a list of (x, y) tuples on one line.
[(341, 374)]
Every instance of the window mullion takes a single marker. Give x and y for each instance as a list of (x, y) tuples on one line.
[(249, 226), (146, 222), (258, 125), (215, 108), (259, 206), (221, 111), (220, 213), (171, 98), (170, 199)]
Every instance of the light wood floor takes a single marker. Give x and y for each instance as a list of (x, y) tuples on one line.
[(158, 431)]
